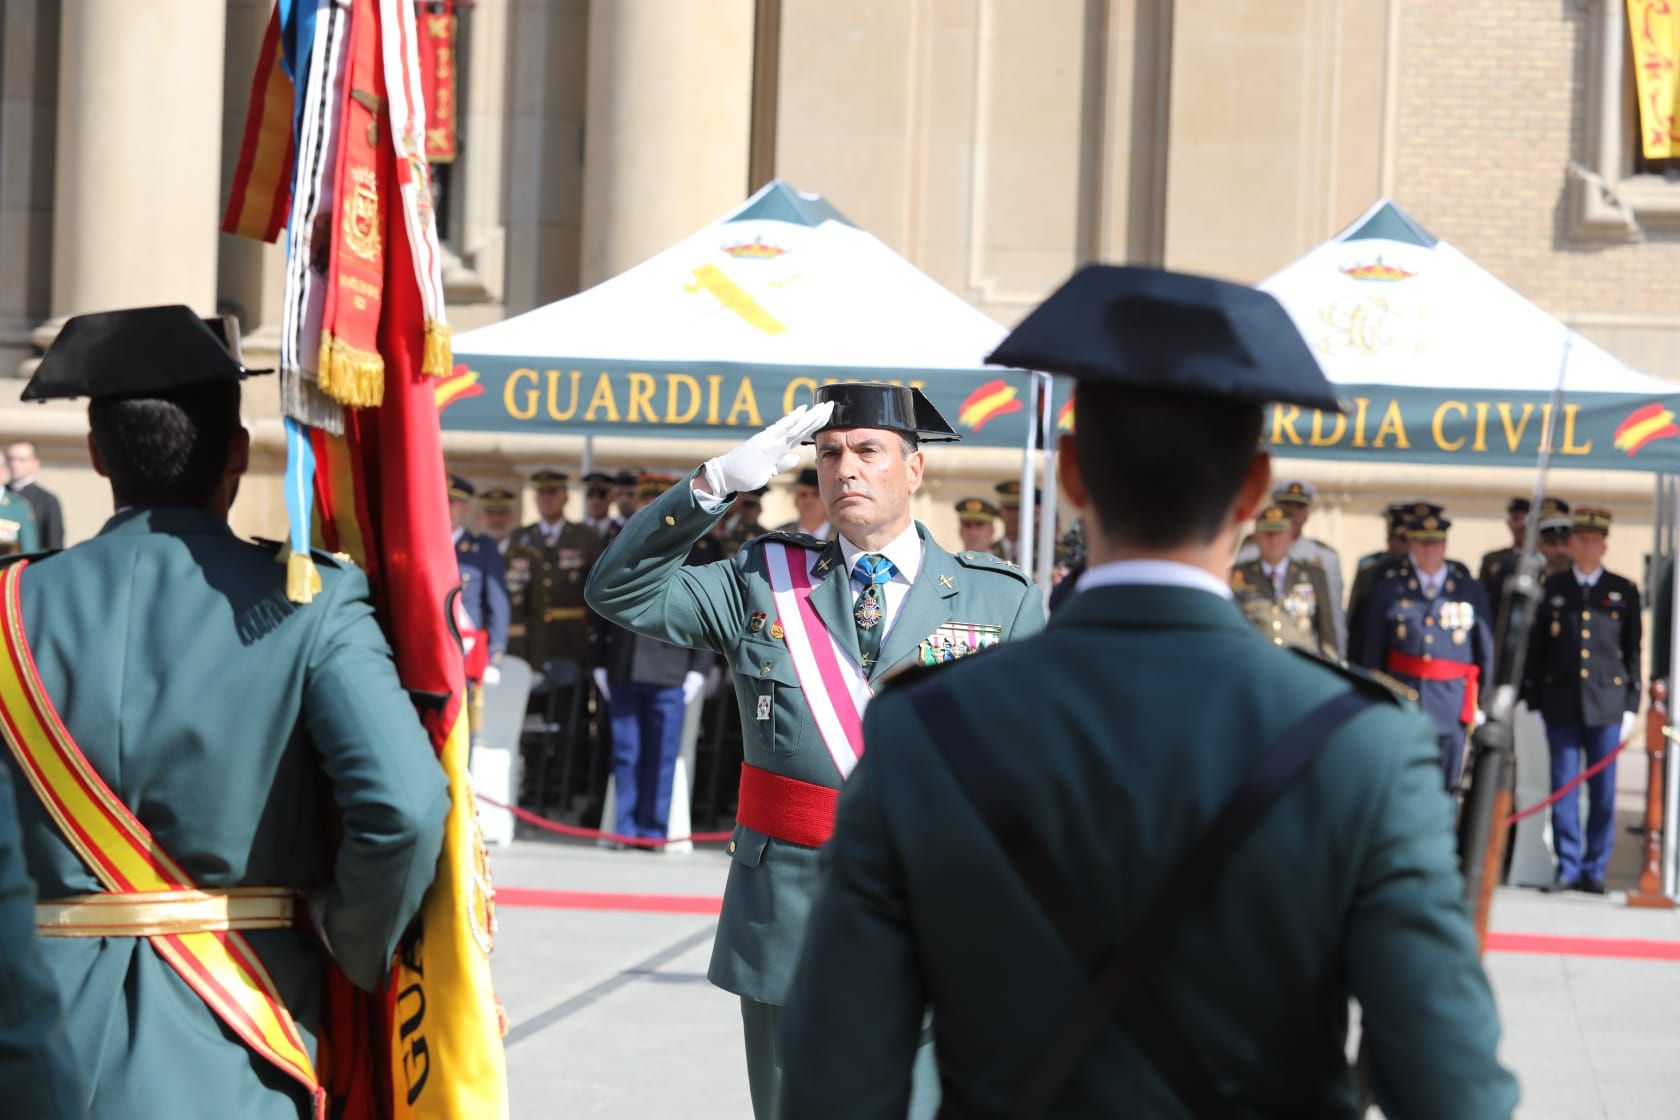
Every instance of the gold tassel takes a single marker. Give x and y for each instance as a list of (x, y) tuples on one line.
[(436, 358), (303, 582), (350, 376)]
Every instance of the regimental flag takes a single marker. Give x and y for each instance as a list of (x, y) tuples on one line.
[(457, 387), (262, 179), (1645, 426), (993, 399), (436, 43), (1654, 35)]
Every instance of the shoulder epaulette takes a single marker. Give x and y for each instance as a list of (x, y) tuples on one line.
[(986, 562), (1363, 680), (321, 556), (32, 557), (798, 540)]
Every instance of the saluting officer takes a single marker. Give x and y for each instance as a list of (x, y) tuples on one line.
[(1429, 628), (808, 625), (1297, 497), (547, 564), (1019, 817), (1583, 679), (1498, 565), (1286, 599), (977, 525)]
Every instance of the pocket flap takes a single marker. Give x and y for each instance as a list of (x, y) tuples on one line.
[(762, 661), (746, 847)]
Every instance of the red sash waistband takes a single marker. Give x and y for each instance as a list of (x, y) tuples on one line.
[(1436, 669), (786, 808)]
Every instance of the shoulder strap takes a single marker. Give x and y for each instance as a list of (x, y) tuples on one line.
[(1116, 969), (221, 968)]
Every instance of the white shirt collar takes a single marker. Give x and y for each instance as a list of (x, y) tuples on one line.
[(1585, 579), (550, 529), (20, 483), (904, 550), (455, 537), (1160, 573)]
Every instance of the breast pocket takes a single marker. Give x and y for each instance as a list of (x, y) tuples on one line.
[(772, 705)]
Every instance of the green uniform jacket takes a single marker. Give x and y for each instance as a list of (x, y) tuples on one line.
[(225, 717), (545, 592), (38, 1075), (641, 584), (1124, 728)]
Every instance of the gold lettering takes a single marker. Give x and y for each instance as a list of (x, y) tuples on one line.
[(1437, 425), (512, 386), (1570, 447), (1283, 421), (1481, 427), (1360, 405), (746, 402), (1513, 436), (555, 412), (807, 384), (1392, 425), (673, 382), (602, 400), (642, 387), (1318, 438), (714, 382)]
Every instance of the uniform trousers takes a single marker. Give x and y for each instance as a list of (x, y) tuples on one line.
[(761, 1024), (1568, 742), (1452, 758), (647, 722)]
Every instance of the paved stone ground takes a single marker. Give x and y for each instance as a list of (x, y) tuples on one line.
[(611, 1014)]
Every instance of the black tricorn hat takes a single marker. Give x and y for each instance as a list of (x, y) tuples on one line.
[(895, 408), (1171, 332), (138, 352)]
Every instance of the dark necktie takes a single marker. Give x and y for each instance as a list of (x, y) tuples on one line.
[(872, 571)]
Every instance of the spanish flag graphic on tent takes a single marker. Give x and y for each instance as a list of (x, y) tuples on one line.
[(1645, 426), (993, 399)]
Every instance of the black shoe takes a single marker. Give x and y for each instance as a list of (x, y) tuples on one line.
[(1591, 886), (1559, 885)]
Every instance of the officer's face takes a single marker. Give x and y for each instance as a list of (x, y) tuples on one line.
[(866, 480), (498, 523), (457, 512), (807, 503), (596, 500), (1273, 546), (1555, 548), (1012, 522), (551, 503), (1586, 548), (976, 535), (1297, 515), (1428, 556), (625, 498), (1518, 524)]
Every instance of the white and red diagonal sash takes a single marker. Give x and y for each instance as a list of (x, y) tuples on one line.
[(834, 685)]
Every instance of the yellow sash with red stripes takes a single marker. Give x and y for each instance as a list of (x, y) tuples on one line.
[(219, 965)]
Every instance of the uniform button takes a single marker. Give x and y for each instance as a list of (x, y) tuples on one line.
[(1277, 624), (1586, 653), (1429, 657), (1429, 639), (1586, 614), (669, 520), (1618, 680), (732, 847), (1584, 674), (1585, 633), (765, 672)]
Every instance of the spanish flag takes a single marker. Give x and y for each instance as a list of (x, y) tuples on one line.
[(1647, 425), (993, 399)]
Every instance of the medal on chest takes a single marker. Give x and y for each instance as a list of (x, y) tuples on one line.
[(867, 612)]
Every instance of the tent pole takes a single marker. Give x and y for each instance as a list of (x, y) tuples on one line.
[(588, 455), (1024, 532), (1671, 779), (1052, 496)]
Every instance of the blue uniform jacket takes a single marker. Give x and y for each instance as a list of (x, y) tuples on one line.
[(484, 587), (1454, 626)]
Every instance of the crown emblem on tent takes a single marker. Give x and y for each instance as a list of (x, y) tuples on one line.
[(755, 250), (1377, 270)]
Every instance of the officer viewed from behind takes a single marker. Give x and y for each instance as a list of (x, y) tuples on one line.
[(1429, 627), (1583, 678), (1024, 893)]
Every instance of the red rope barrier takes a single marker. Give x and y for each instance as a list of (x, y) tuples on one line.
[(596, 834), (1569, 785)]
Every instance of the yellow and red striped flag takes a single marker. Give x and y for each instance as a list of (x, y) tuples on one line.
[(262, 179)]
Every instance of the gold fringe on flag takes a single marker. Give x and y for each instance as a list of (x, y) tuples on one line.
[(437, 358), (349, 375), (303, 582)]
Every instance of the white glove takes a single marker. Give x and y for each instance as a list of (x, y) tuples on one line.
[(765, 455), (692, 684), (1630, 721), (492, 676), (600, 676), (1481, 718)]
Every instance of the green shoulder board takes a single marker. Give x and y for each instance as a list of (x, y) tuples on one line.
[(31, 557), (1364, 681), (986, 562), (323, 558), (798, 540)]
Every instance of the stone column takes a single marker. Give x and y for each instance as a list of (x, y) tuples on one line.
[(668, 125), (136, 201)]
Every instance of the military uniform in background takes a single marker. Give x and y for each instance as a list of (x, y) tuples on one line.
[(1365, 577), (741, 524), (1498, 565), (545, 578), (1290, 608), (484, 594), (17, 520), (1302, 494), (1434, 635), (495, 502)]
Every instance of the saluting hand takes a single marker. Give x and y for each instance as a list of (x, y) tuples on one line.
[(765, 455)]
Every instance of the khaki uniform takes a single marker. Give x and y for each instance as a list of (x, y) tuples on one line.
[(1300, 616), (545, 588)]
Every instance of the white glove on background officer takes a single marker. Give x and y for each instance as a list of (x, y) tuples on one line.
[(492, 676), (1630, 720), (600, 678), (692, 684), (765, 455)]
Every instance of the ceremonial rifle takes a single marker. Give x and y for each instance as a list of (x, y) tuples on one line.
[(1490, 784)]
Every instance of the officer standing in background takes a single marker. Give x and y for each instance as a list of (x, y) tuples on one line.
[(18, 516), (977, 525), (1006, 885), (597, 506), (484, 594), (1285, 599), (259, 751), (23, 463), (1556, 527), (1498, 565), (1428, 626), (807, 625), (1008, 546), (741, 524), (624, 494), (1297, 497), (498, 509), (810, 518), (547, 564), (1365, 577), (1583, 678)]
